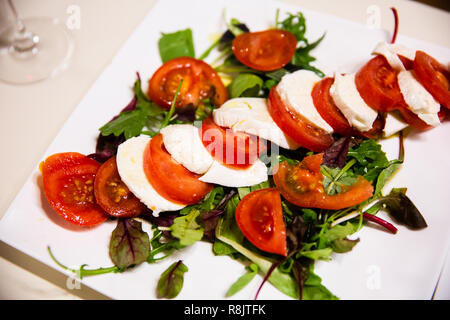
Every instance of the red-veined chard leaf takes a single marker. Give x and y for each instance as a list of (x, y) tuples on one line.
[(402, 209), (129, 244), (171, 281)]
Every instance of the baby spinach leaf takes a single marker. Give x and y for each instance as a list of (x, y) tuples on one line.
[(246, 85), (176, 44), (129, 244), (171, 281), (252, 271)]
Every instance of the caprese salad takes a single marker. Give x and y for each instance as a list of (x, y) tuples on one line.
[(257, 152)]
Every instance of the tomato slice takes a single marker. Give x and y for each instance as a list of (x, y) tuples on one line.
[(413, 120), (297, 127), (234, 149), (265, 50), (301, 184), (200, 81), (377, 84), (327, 108), (69, 187), (260, 217), (434, 77), (170, 179), (113, 195)]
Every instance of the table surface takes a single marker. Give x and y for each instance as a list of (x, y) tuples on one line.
[(31, 115)]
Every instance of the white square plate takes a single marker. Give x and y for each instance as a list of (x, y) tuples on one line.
[(381, 266)]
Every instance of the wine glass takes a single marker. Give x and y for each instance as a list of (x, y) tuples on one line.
[(31, 49)]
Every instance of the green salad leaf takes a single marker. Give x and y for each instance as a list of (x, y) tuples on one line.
[(296, 24), (186, 229), (176, 44), (131, 123), (252, 271), (246, 85)]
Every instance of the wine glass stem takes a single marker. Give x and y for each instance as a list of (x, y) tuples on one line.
[(23, 40)]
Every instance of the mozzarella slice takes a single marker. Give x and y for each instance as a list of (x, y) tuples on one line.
[(184, 144), (348, 100), (251, 115), (389, 53), (130, 164), (394, 124), (419, 100), (295, 90), (229, 177)]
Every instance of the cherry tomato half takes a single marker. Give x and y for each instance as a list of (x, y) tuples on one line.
[(200, 81), (69, 187), (170, 179), (297, 127), (301, 184), (265, 50), (235, 149), (113, 195), (260, 217), (434, 77)]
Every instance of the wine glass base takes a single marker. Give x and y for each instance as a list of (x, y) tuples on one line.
[(50, 56)]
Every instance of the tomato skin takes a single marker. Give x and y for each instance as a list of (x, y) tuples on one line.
[(265, 50), (237, 150), (327, 108), (407, 63), (200, 81), (170, 179), (298, 128), (68, 180), (433, 76), (377, 128), (443, 114), (259, 215), (377, 84), (113, 195), (301, 184)]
